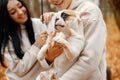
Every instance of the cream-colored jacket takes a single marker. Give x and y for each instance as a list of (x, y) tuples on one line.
[(28, 67), (91, 65)]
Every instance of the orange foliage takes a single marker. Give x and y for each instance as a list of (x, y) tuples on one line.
[(113, 48), (2, 75)]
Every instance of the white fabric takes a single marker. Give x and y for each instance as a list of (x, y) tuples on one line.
[(92, 63), (28, 67)]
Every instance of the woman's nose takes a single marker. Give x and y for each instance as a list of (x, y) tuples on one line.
[(20, 11)]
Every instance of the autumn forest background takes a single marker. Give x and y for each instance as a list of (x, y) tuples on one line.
[(111, 14)]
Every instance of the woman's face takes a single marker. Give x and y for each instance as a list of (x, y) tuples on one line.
[(17, 11), (61, 4)]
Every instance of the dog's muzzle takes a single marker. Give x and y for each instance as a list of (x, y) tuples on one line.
[(57, 24)]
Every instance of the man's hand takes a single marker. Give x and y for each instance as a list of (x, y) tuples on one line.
[(54, 49)]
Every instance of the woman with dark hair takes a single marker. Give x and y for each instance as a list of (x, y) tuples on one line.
[(21, 38)]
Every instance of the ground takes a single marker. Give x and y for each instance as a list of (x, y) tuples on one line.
[(113, 49)]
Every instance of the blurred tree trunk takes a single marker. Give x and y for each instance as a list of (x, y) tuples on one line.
[(34, 7), (46, 6), (115, 5), (103, 6)]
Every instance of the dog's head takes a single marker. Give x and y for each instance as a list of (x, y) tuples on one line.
[(63, 17), (67, 19)]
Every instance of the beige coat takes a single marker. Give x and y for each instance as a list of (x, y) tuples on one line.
[(27, 68), (91, 65)]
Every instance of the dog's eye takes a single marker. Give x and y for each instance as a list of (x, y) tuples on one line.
[(64, 15)]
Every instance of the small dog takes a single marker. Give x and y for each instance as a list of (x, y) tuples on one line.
[(70, 34)]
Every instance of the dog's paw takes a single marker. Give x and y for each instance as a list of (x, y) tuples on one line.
[(59, 40)]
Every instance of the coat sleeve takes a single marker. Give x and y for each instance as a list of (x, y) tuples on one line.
[(22, 66), (94, 48)]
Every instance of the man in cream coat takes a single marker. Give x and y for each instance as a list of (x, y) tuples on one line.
[(91, 65)]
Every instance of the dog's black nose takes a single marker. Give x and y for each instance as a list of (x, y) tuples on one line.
[(56, 19)]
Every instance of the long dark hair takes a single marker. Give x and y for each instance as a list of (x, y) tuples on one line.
[(10, 30)]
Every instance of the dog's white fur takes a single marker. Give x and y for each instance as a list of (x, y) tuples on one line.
[(73, 27)]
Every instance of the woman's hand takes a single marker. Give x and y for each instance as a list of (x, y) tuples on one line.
[(41, 39), (47, 16)]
